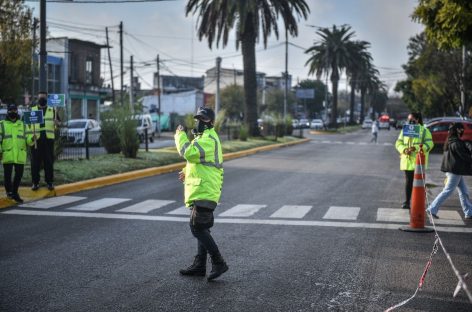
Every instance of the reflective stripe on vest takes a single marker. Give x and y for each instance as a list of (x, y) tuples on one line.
[(48, 117), (184, 149)]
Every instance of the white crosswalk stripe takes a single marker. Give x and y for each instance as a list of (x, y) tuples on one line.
[(180, 211), (291, 212), (393, 215), (448, 217), (99, 204), (242, 211), (342, 213), (52, 202), (147, 206)]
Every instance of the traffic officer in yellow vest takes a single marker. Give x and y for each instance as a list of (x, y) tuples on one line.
[(408, 148), (203, 179), (13, 142), (43, 152)]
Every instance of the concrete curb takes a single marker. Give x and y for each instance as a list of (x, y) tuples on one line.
[(135, 175)]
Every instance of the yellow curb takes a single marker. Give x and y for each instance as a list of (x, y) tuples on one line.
[(129, 176)]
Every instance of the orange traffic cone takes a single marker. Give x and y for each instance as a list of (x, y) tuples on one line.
[(418, 197)]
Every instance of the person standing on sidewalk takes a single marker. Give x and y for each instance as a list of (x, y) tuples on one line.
[(375, 131), (456, 163), (203, 180), (408, 148), (13, 142), (43, 152)]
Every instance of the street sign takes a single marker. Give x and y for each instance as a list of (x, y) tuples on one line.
[(305, 93), (57, 100), (33, 117), (412, 131)]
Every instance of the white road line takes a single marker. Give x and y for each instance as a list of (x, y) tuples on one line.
[(52, 202), (326, 142), (97, 215), (393, 215), (291, 212), (448, 217), (147, 206), (99, 204), (388, 144), (180, 211), (242, 211), (342, 213)]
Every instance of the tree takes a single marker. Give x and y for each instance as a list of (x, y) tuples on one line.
[(448, 22), (275, 101), (359, 60), (433, 78), (315, 105), (252, 21), (367, 81), (232, 101), (331, 55), (15, 48)]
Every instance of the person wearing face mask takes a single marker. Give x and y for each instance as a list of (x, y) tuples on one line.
[(456, 163), (43, 152), (408, 148), (13, 142), (203, 180)]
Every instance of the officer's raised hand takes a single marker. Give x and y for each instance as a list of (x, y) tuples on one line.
[(182, 176), (179, 128)]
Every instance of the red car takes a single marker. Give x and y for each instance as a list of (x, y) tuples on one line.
[(439, 130)]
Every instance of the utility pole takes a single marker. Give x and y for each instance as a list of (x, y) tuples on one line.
[(33, 63), (286, 74), (121, 63), (217, 99), (463, 83), (158, 98), (131, 86), (111, 69), (42, 47)]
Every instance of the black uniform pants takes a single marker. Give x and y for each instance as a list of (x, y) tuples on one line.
[(7, 173), (409, 176), (43, 154), (201, 220)]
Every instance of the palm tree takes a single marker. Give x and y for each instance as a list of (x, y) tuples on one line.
[(253, 20), (360, 59), (331, 55), (368, 81)]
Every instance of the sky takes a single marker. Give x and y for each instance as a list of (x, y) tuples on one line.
[(162, 28)]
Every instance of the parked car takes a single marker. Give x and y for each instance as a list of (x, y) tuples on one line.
[(295, 124), (440, 128), (367, 124), (304, 123), (75, 131), (144, 121), (317, 124)]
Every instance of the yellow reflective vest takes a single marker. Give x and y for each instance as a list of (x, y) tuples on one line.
[(13, 142), (48, 126), (408, 162), (204, 169)]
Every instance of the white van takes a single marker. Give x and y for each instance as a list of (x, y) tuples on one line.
[(145, 122)]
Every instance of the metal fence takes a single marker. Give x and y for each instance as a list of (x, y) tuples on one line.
[(76, 145)]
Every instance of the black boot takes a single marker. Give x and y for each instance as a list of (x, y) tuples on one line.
[(16, 197), (218, 266), (198, 268)]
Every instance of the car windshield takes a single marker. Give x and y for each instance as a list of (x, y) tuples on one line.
[(76, 124), (316, 121)]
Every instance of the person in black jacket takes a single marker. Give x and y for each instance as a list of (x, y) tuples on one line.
[(456, 162)]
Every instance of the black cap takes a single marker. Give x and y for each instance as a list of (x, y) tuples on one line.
[(206, 113), (12, 107)]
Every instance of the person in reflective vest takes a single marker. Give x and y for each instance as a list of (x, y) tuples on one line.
[(43, 152), (408, 148), (203, 180), (13, 142)]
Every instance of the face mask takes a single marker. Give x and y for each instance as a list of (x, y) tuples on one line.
[(12, 115), (200, 126), (42, 102), (412, 122)]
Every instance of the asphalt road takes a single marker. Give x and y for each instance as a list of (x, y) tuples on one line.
[(330, 253)]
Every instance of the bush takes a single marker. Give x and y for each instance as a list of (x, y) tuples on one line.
[(243, 133), (110, 139), (219, 120), (129, 141)]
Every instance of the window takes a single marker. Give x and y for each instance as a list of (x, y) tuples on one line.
[(88, 71)]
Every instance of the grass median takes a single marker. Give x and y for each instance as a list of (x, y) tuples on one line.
[(68, 171)]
